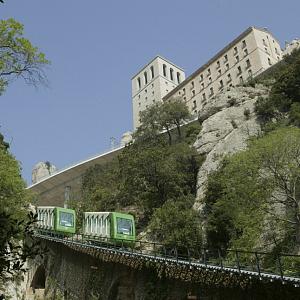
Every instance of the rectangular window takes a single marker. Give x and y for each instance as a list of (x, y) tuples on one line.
[(228, 78), (221, 84), (211, 91), (239, 70), (244, 44), (124, 226), (248, 64), (201, 77), (66, 219), (237, 59), (202, 85), (192, 84), (219, 72), (218, 64), (195, 104), (208, 72), (193, 93), (209, 80), (183, 91), (203, 96), (245, 52), (235, 50), (225, 58), (227, 67)]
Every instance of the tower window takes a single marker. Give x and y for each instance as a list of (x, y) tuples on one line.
[(172, 74), (165, 70), (269, 61), (248, 64), (178, 77), (221, 84), (244, 44), (145, 77), (139, 82), (152, 72)]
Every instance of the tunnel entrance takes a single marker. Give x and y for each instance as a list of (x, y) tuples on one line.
[(39, 279), (37, 286)]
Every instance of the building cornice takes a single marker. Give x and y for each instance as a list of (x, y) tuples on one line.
[(161, 57)]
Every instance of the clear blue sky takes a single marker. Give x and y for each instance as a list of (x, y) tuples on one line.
[(96, 46)]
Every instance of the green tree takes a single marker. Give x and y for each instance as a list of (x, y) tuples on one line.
[(258, 190), (175, 223), (18, 57), (15, 221), (162, 117)]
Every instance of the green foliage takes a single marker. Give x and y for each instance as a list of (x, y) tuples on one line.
[(253, 200), (176, 223), (19, 58), (150, 174), (15, 222), (285, 92), (162, 117)]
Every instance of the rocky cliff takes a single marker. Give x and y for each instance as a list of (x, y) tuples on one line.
[(228, 121)]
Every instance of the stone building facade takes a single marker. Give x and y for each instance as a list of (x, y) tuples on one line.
[(152, 83), (252, 52)]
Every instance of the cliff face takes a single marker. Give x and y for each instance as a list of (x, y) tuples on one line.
[(229, 121)]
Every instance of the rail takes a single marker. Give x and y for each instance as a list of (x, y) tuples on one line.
[(262, 265)]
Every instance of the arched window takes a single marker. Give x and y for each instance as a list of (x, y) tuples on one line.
[(145, 77), (178, 77), (172, 74), (139, 82), (152, 72), (165, 70)]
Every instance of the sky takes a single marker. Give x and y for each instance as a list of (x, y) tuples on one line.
[(95, 47)]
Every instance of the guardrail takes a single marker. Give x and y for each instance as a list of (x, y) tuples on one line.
[(262, 265)]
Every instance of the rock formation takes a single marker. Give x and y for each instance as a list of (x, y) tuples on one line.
[(42, 170), (228, 120)]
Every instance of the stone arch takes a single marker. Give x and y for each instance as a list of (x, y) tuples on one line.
[(38, 282), (121, 289)]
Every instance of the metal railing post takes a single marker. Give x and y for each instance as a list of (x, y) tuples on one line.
[(280, 266), (257, 263), (220, 258), (238, 260)]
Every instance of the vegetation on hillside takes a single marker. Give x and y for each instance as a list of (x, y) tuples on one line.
[(283, 103), (253, 199), (15, 219), (155, 177)]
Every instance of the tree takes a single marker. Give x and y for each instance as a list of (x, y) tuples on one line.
[(15, 220), (161, 117), (18, 57), (177, 112), (259, 191), (175, 223)]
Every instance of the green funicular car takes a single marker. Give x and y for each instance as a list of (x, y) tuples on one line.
[(58, 219), (116, 227)]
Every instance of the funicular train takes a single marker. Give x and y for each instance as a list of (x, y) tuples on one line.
[(112, 227)]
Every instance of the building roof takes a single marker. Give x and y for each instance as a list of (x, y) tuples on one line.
[(50, 190), (157, 56), (214, 58)]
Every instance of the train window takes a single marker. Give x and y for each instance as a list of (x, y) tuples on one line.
[(124, 226), (66, 219)]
